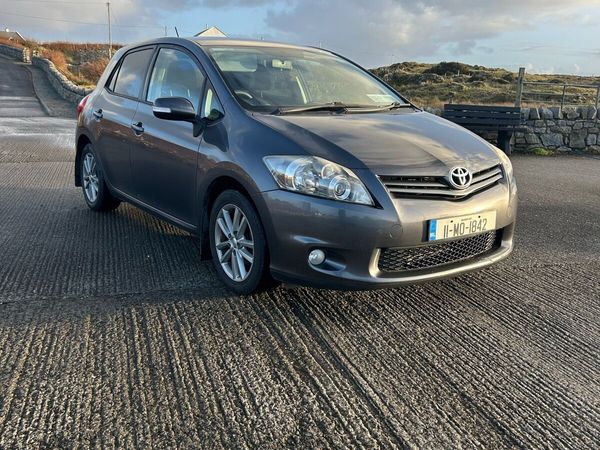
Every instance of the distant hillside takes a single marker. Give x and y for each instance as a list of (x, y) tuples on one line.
[(435, 84)]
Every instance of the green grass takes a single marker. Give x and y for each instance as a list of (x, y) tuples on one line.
[(434, 85), (541, 151)]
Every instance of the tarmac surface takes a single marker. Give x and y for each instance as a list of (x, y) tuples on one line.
[(113, 333)]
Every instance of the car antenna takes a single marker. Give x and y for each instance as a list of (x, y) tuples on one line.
[(176, 32)]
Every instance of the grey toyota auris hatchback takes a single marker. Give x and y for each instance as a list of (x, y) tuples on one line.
[(292, 163)]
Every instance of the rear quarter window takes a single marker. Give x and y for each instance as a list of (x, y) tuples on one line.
[(130, 77)]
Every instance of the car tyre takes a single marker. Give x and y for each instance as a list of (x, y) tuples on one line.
[(238, 244), (95, 191)]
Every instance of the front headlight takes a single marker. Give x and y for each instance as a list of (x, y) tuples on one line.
[(316, 176)]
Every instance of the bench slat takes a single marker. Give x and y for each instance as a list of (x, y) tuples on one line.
[(476, 121), (492, 128), (458, 107), (483, 114)]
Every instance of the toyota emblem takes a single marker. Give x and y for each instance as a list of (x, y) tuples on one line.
[(460, 178)]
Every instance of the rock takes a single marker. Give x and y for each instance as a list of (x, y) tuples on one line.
[(532, 138), (561, 130), (563, 149), (582, 111), (546, 113), (552, 140), (534, 114), (592, 139), (525, 113), (594, 149), (577, 139), (587, 112), (578, 126), (556, 112), (540, 123), (570, 112)]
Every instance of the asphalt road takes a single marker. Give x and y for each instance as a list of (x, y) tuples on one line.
[(114, 334)]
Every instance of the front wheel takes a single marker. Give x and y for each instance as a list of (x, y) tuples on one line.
[(95, 191), (238, 244)]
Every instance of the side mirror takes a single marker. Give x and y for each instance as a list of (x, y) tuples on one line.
[(214, 115), (174, 108)]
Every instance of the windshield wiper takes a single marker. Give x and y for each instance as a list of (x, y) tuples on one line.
[(333, 106), (388, 107), (342, 107)]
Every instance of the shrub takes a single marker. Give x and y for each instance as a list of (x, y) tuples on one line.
[(450, 68), (11, 43), (58, 58), (91, 71)]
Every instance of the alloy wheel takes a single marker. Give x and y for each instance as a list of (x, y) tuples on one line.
[(90, 178), (234, 242)]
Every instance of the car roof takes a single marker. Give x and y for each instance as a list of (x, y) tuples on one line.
[(221, 41)]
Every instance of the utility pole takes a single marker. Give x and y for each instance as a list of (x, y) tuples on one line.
[(166, 31), (109, 31)]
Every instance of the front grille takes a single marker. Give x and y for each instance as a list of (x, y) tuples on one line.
[(423, 186), (433, 255)]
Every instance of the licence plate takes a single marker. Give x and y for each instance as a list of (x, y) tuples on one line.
[(453, 227)]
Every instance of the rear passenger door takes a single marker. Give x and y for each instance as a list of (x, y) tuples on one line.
[(164, 155), (113, 115)]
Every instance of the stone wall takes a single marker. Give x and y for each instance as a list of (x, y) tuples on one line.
[(21, 54), (566, 130), (65, 88), (570, 129)]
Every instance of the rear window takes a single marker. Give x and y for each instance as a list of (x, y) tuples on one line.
[(130, 77)]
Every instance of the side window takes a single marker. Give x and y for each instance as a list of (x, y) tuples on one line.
[(211, 102), (130, 78), (175, 74), (113, 78)]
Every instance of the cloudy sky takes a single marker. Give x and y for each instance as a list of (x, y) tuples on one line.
[(551, 36)]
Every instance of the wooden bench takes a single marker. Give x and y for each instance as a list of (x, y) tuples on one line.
[(505, 120)]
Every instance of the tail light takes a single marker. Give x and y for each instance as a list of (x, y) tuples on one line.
[(81, 104)]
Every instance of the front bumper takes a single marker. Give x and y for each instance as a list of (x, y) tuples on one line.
[(353, 236)]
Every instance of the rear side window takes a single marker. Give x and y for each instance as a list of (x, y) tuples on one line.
[(130, 78)]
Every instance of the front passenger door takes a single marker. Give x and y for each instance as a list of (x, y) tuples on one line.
[(164, 156)]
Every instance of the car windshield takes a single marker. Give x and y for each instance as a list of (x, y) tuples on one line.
[(271, 79)]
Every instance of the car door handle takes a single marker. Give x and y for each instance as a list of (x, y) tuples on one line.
[(98, 114), (137, 128)]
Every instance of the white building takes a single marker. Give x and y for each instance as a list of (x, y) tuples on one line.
[(211, 32)]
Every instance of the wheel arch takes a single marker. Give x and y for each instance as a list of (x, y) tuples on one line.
[(218, 185)]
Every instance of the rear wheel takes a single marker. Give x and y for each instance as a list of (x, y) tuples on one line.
[(95, 191), (238, 244)]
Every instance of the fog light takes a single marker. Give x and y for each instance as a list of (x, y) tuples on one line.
[(316, 257)]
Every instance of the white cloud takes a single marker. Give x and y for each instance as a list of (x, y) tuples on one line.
[(374, 32), (411, 29)]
